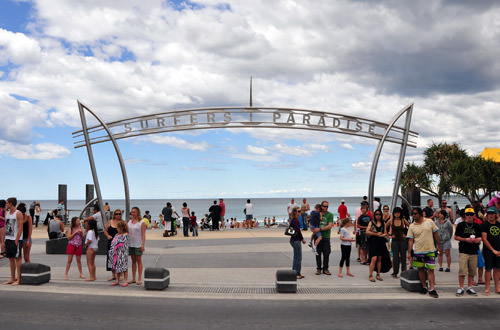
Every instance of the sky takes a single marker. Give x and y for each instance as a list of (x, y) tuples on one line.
[(128, 58)]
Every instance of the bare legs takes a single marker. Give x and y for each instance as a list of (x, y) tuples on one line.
[(78, 263), (15, 264), (91, 264), (136, 267), (487, 280), (26, 251)]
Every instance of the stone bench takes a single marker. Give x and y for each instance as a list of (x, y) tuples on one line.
[(59, 245)]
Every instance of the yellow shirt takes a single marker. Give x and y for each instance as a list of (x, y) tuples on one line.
[(423, 236)]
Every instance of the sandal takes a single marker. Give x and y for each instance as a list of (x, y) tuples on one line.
[(379, 278), (125, 284), (114, 284), (371, 279)]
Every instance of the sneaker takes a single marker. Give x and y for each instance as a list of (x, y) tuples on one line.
[(447, 270), (441, 269), (433, 294), (310, 244), (460, 292), (471, 292), (423, 291)]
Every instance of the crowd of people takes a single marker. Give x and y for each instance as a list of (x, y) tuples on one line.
[(384, 240), (124, 239), (413, 238)]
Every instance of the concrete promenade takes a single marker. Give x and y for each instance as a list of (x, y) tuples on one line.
[(231, 264)]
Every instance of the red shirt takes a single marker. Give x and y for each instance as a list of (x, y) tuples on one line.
[(223, 206), (342, 211)]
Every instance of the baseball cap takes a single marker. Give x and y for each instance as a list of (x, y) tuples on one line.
[(342, 201), (469, 210), (492, 209)]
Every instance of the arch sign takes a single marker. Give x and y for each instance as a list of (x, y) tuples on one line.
[(243, 117)]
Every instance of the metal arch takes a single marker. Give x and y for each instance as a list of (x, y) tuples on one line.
[(81, 107), (191, 119), (408, 110), (388, 128)]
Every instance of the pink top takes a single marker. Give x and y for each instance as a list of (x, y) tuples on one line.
[(76, 240)]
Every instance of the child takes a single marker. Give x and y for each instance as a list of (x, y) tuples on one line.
[(91, 241), (118, 254), (194, 225), (75, 238), (314, 223), (345, 246)]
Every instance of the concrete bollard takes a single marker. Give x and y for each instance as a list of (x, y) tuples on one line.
[(156, 278), (410, 280), (286, 281), (34, 273)]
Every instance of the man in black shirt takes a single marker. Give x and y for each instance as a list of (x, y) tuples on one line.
[(428, 210), (468, 234), (491, 248), (215, 211)]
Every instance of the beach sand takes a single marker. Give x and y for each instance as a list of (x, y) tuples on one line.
[(156, 234)]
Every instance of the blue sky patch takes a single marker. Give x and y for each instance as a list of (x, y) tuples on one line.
[(15, 16)]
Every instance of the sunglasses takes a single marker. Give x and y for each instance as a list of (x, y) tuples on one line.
[(324, 206), (117, 214), (415, 213), (470, 214)]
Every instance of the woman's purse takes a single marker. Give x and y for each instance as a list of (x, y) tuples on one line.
[(290, 231)]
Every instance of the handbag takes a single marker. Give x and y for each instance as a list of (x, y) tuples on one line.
[(290, 231)]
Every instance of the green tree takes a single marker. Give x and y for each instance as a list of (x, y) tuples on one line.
[(433, 177), (475, 178)]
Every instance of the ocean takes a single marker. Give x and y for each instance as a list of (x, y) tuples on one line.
[(263, 207)]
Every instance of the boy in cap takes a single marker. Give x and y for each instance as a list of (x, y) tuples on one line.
[(468, 234), (490, 231)]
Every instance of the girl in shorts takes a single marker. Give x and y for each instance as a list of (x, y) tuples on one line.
[(118, 254), (345, 246), (137, 239), (91, 243), (75, 238)]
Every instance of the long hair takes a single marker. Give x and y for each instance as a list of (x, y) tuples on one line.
[(22, 208), (73, 222), (92, 225)]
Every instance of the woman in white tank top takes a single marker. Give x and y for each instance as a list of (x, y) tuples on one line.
[(137, 239)]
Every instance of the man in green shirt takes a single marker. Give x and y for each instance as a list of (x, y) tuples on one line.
[(324, 247)]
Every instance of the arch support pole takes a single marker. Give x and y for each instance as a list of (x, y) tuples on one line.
[(378, 151), (402, 154), (82, 109)]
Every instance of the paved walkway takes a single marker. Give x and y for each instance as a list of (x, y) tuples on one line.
[(237, 264)]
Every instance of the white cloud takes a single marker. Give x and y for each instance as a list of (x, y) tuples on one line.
[(42, 151), (177, 142), (347, 146), (17, 48), (293, 150), (257, 150), (134, 161)]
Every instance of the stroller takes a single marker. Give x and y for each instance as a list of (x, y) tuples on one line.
[(207, 224)]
